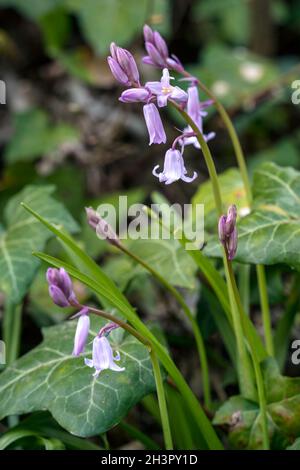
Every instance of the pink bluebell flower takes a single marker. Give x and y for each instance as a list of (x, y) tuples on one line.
[(123, 66), (154, 124), (82, 331), (103, 356), (164, 90), (60, 287), (174, 168), (195, 110)]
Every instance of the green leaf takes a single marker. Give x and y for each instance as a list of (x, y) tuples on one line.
[(42, 423), (24, 234), (32, 8), (35, 136), (93, 18), (103, 286), (234, 75), (270, 234), (243, 419), (232, 189), (50, 378), (169, 259)]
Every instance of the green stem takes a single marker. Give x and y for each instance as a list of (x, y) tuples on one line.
[(119, 322), (255, 360), (245, 367), (195, 327), (244, 285), (156, 369), (245, 177), (246, 383), (12, 330), (266, 316), (162, 401), (104, 287)]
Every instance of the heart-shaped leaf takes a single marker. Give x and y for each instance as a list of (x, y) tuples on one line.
[(242, 417), (50, 378), (24, 234)]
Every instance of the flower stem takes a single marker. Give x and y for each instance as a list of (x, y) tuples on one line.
[(156, 370), (261, 277), (266, 316), (246, 380), (256, 364), (195, 327), (119, 322), (161, 401)]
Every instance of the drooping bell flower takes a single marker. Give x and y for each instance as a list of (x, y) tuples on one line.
[(82, 331), (103, 356), (123, 66), (60, 287), (195, 110), (154, 124), (164, 90), (174, 168), (228, 234), (158, 53)]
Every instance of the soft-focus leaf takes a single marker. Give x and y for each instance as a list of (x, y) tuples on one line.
[(232, 190), (234, 75), (49, 377), (35, 136), (24, 234), (93, 18)]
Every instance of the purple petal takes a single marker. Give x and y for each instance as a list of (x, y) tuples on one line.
[(147, 60), (133, 95), (117, 72), (82, 332), (148, 33), (58, 296), (160, 44), (154, 124), (154, 54)]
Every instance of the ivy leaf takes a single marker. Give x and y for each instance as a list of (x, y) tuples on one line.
[(270, 234), (50, 378), (24, 234), (243, 419), (169, 259)]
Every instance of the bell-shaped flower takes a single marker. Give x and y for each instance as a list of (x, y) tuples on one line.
[(174, 169), (103, 356), (154, 124), (164, 90), (82, 331)]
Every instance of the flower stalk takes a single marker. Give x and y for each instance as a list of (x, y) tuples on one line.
[(260, 270)]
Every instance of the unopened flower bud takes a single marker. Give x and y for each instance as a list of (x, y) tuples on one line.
[(228, 234), (102, 228)]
